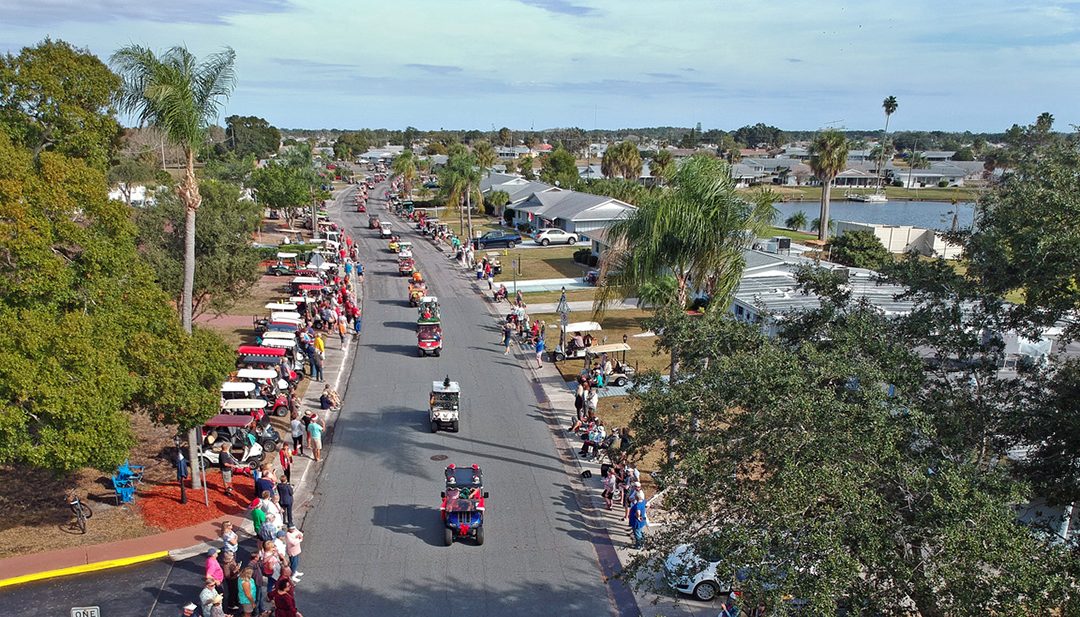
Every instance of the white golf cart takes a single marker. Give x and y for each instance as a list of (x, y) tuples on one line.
[(443, 405), (621, 372), (572, 349)]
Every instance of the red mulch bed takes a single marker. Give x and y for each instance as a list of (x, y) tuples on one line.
[(160, 505)]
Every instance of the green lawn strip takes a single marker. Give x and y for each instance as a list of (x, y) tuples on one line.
[(794, 235), (572, 295), (542, 263)]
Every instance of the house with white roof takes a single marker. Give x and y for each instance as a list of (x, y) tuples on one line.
[(581, 213)]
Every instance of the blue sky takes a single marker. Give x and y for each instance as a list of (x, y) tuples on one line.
[(606, 63)]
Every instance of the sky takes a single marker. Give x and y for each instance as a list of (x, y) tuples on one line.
[(796, 64)]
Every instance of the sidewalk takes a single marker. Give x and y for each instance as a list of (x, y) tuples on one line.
[(189, 541), (583, 306), (561, 401)]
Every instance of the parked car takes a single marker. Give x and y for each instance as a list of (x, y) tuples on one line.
[(509, 239), (553, 235), (687, 572)]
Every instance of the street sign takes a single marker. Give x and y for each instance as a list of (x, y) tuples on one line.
[(85, 611)]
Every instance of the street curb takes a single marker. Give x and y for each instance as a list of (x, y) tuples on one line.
[(83, 569)]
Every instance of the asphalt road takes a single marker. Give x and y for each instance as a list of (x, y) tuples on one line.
[(374, 539)]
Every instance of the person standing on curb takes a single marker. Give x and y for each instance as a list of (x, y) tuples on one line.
[(638, 522), (213, 567), (540, 352), (258, 518), (226, 462), (315, 432), (247, 591), (298, 431), (285, 494), (232, 573), (285, 457), (293, 538), (207, 595), (508, 333), (316, 365)]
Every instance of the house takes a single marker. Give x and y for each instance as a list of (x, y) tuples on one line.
[(581, 213), (512, 152), (798, 153), (859, 155), (938, 155), (902, 239), (746, 175)]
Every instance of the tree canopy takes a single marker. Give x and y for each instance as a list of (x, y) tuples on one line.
[(251, 135), (58, 98), (559, 168), (90, 336), (860, 249)]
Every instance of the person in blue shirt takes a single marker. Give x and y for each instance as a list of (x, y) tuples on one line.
[(638, 522)]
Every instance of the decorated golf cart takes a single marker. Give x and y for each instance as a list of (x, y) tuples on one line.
[(406, 265), (429, 338), (578, 337), (443, 405), (428, 311), (462, 508)]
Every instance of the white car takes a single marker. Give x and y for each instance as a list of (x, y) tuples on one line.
[(687, 572), (551, 235)]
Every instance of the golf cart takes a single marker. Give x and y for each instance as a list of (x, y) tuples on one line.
[(429, 338), (462, 506), (272, 389), (395, 244), (428, 310), (373, 221), (252, 408), (233, 430), (443, 405), (385, 230), (406, 266), (573, 350), (282, 268), (496, 263), (404, 248), (416, 291), (621, 372)]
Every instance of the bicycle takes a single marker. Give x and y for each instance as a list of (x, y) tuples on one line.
[(80, 510)]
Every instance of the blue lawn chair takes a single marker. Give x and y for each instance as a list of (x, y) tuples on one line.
[(124, 490), (134, 473)]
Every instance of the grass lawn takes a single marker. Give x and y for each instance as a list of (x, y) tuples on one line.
[(794, 235), (572, 295), (615, 324), (545, 263)]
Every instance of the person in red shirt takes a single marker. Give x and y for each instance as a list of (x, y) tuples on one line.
[(284, 601)]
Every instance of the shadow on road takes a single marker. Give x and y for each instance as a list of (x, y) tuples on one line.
[(400, 325), (422, 522)]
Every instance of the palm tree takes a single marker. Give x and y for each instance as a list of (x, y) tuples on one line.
[(662, 166), (694, 233), (889, 105), (404, 166), (485, 156), (828, 156), (796, 221), (460, 181), (181, 97)]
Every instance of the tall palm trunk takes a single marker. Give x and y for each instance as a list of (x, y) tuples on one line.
[(823, 219), (468, 213), (189, 196)]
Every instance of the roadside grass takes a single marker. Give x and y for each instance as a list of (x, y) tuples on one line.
[(615, 324), (545, 263), (572, 295), (793, 234)]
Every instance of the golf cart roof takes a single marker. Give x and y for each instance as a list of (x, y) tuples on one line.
[(582, 326), (298, 299), (285, 336), (610, 348), (429, 299), (288, 343), (385, 224), (227, 420), (463, 476), (280, 315), (286, 255), (243, 404), (256, 350), (295, 324), (311, 287), (238, 386), (306, 280), (256, 373), (280, 306), (404, 244), (437, 386)]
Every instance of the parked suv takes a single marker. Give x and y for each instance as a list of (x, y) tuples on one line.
[(509, 239), (554, 235)]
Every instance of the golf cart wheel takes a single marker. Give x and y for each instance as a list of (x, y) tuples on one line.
[(509, 245), (269, 446), (421, 352), (454, 426), (437, 352), (434, 426), (559, 356), (480, 536), (256, 461), (448, 536), (620, 381), (545, 242), (281, 411), (706, 591)]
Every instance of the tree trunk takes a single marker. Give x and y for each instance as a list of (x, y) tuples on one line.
[(189, 195), (823, 220), (460, 216), (468, 213), (673, 427)]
